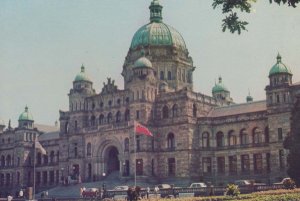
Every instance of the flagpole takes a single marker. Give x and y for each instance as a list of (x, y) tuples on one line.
[(134, 145), (34, 156)]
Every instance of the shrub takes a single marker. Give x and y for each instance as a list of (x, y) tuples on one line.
[(232, 190)]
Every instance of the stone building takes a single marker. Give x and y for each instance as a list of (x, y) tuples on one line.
[(196, 136)]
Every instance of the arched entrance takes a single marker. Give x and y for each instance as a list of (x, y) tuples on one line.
[(113, 163)]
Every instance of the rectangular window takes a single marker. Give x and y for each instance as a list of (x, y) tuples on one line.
[(139, 167), (268, 161), (171, 166), (232, 164), (137, 114), (281, 158), (258, 163), (280, 136), (206, 161), (221, 165)]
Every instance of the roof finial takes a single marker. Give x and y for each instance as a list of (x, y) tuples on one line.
[(278, 58), (26, 108), (220, 79), (155, 11), (9, 124), (82, 68)]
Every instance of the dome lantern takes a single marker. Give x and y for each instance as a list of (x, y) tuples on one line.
[(155, 11)]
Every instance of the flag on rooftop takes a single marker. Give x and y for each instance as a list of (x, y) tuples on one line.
[(140, 129)]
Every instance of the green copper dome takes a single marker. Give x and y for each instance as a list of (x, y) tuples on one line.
[(219, 87), (157, 32), (279, 67), (142, 62), (25, 116), (82, 76)]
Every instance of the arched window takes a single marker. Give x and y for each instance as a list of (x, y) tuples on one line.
[(162, 75), (169, 75), (127, 115), (52, 157), (267, 137), (2, 161), (139, 167), (18, 178), (101, 119), (138, 143), (67, 127), (194, 110), (8, 160), (165, 113), (39, 159), (244, 137), (175, 110), (93, 120), (171, 141), (89, 149), (75, 125), (1, 179), (256, 133), (220, 139), (205, 139), (109, 118), (45, 159), (118, 117), (232, 140), (126, 144), (57, 156)]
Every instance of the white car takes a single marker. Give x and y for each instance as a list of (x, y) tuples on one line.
[(121, 188), (198, 185)]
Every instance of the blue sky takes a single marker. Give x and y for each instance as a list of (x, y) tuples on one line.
[(44, 43)]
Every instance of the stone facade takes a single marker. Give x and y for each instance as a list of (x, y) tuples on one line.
[(197, 137)]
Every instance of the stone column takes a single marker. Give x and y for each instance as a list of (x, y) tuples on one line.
[(239, 164)]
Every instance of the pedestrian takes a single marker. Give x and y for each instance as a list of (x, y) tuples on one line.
[(46, 194), (80, 192), (156, 189), (129, 194), (21, 193), (9, 197), (148, 191)]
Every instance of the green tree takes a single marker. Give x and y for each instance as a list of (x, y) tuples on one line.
[(292, 143), (230, 8)]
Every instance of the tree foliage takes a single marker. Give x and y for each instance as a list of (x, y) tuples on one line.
[(292, 143), (230, 8)]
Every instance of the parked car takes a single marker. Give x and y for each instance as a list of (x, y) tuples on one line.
[(242, 183), (282, 181), (164, 186), (90, 192), (121, 188), (198, 185)]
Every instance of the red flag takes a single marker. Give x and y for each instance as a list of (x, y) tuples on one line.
[(140, 129)]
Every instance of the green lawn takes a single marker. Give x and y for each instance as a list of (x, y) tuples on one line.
[(274, 195)]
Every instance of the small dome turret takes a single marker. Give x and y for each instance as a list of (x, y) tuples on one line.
[(219, 87), (25, 116), (249, 98), (82, 76), (279, 67), (142, 62)]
